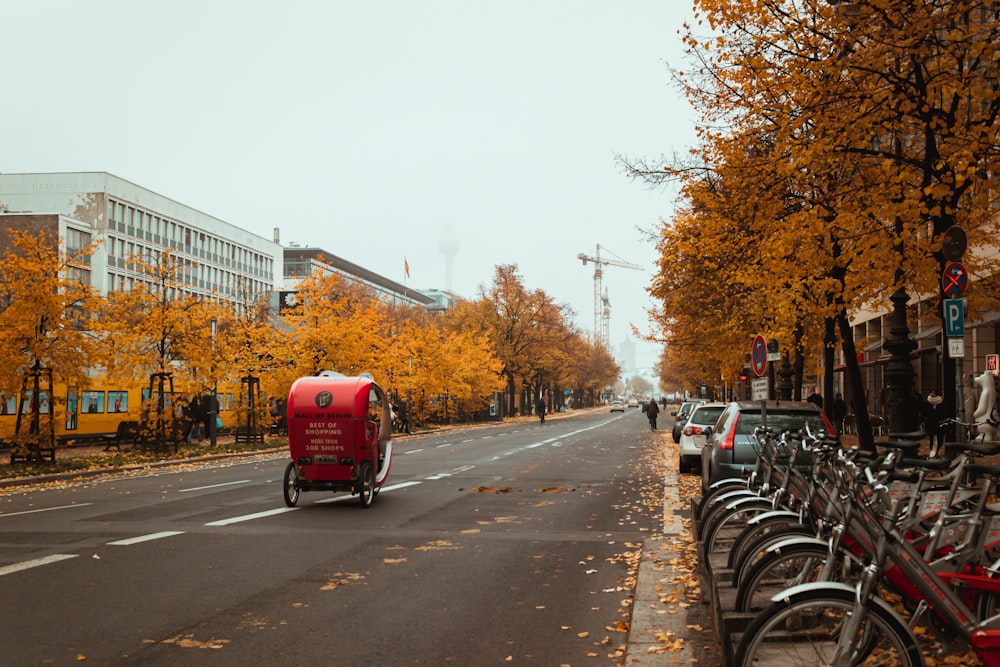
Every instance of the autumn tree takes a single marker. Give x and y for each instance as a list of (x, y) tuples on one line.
[(45, 297), (878, 126), (157, 329), (250, 347), (343, 327), (513, 320)]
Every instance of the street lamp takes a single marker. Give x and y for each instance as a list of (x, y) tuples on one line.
[(213, 398)]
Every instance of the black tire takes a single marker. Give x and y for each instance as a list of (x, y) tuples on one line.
[(792, 564), (721, 507), (758, 548), (803, 629), (723, 527), (756, 529), (291, 484), (712, 496), (366, 485)]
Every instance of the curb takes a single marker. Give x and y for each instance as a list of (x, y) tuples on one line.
[(95, 472), (658, 632)]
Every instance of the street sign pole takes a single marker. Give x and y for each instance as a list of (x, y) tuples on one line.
[(954, 281)]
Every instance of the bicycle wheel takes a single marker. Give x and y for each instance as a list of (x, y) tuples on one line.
[(759, 526), (711, 498), (724, 524), (805, 628), (757, 549), (778, 570)]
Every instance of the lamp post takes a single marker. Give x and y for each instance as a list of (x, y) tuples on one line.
[(213, 400)]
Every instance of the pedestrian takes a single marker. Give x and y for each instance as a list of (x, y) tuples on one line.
[(933, 414), (406, 416), (540, 410), (839, 412), (815, 399), (192, 413), (652, 411)]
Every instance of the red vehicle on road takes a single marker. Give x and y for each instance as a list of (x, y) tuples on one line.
[(339, 436)]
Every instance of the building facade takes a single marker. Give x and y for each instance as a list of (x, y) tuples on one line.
[(128, 221)]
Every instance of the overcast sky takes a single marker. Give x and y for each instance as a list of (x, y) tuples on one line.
[(375, 130)]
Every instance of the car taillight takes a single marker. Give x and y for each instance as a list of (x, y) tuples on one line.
[(826, 424), (692, 430), (728, 440)]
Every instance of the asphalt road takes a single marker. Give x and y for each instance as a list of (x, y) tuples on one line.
[(510, 544)]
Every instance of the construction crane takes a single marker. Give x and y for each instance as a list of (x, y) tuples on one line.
[(602, 306)]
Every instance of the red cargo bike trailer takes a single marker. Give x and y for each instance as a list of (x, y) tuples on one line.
[(340, 436)]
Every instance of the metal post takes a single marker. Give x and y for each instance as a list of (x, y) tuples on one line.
[(960, 431), (785, 386), (899, 371)]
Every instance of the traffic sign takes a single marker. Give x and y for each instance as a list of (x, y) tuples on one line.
[(758, 355), (954, 279), (956, 348), (954, 318), (953, 243)]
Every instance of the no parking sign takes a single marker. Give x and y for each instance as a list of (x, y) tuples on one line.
[(758, 355)]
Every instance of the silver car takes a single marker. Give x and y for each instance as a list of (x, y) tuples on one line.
[(693, 436), (681, 416)]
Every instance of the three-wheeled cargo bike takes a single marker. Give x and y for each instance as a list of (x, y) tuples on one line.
[(339, 436)]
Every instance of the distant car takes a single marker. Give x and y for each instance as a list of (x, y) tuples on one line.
[(633, 402), (617, 406), (695, 433), (681, 416), (732, 450)]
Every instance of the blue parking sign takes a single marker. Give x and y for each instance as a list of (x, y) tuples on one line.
[(954, 317)]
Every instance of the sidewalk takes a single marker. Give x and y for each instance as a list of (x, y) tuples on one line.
[(671, 625)]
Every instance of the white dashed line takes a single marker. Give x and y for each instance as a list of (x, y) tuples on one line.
[(38, 562), (251, 517), (214, 486), (145, 538), (47, 509)]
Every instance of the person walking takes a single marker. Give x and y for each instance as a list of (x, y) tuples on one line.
[(192, 413), (839, 412), (933, 413), (652, 411)]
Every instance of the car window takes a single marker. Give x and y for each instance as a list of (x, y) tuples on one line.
[(726, 419), (778, 421), (707, 416)]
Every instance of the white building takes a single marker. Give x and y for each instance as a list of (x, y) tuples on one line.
[(128, 220)]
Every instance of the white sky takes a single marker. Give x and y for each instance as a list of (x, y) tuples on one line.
[(369, 128)]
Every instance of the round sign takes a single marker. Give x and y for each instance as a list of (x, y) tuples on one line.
[(953, 243), (758, 355), (954, 279)]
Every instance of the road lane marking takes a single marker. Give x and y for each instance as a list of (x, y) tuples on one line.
[(455, 471), (393, 487), (414, 451), (145, 538), (214, 486), (46, 509), (447, 444), (251, 517), (37, 562)]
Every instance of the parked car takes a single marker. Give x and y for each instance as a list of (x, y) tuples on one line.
[(681, 415), (633, 402), (731, 450), (617, 405), (694, 434)]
